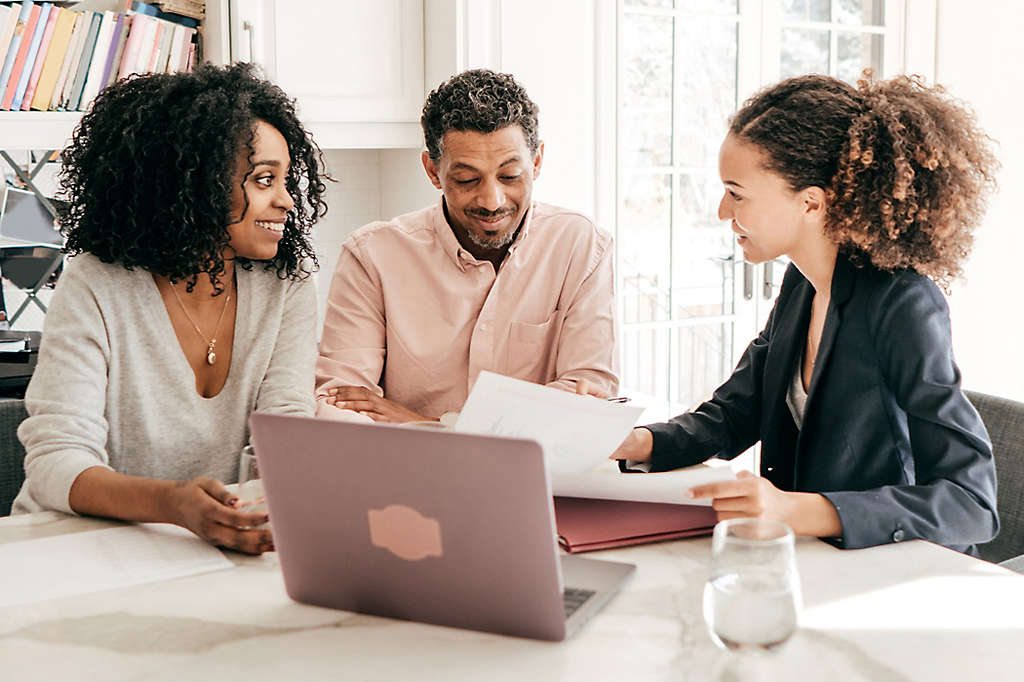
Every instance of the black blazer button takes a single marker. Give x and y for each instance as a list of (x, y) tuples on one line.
[(898, 535)]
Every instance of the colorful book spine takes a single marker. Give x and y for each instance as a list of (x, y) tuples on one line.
[(140, 22), (148, 43), (177, 49), (19, 60), (54, 59), (37, 67), (15, 45), (94, 75), (164, 50), (122, 40), (9, 20), (74, 46), (30, 56), (115, 39), (75, 101)]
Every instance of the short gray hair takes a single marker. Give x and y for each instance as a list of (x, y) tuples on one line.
[(479, 100)]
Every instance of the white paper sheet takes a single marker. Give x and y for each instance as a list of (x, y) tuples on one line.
[(576, 432), (608, 483), (80, 563)]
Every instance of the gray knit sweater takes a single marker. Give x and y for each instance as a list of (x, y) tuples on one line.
[(113, 387)]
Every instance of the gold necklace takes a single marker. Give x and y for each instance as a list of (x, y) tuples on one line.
[(211, 356)]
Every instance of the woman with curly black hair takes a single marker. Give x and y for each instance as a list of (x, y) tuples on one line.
[(866, 437), (186, 306)]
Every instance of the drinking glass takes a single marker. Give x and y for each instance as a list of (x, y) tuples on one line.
[(250, 487), (752, 598)]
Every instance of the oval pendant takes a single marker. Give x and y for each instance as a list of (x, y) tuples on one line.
[(211, 358)]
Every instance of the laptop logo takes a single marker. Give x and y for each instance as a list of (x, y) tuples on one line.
[(405, 532)]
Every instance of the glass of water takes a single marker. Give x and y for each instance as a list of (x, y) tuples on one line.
[(250, 487), (752, 599)]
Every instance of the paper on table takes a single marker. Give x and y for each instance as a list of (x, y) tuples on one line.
[(80, 563), (577, 432), (608, 483)]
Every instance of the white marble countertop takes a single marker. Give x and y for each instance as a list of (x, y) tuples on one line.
[(912, 611)]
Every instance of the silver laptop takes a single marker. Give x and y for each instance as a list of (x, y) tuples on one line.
[(423, 524)]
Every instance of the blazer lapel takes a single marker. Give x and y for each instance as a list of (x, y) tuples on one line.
[(790, 328), (842, 288)]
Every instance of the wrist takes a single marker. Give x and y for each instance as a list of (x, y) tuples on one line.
[(168, 506), (813, 515)]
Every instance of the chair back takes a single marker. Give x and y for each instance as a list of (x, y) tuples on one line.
[(12, 454), (1004, 420)]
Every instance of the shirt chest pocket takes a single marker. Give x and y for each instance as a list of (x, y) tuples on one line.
[(533, 349)]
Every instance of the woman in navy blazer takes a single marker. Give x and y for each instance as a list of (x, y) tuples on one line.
[(866, 437)]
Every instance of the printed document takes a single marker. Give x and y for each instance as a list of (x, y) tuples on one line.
[(577, 432), (92, 561), (606, 482)]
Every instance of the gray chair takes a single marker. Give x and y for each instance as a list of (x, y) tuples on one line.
[(12, 455), (1004, 420)]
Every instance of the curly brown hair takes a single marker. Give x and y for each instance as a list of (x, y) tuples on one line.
[(479, 100), (905, 167)]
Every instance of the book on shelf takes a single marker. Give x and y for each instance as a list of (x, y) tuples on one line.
[(8, 20), (70, 59), (30, 56), (37, 65), (94, 75), (55, 58), (55, 54), (15, 44), (117, 38), (24, 45), (83, 65), (195, 9)]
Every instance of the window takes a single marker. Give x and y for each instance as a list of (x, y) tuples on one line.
[(687, 304)]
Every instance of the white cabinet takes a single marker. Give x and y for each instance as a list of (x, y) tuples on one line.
[(355, 67)]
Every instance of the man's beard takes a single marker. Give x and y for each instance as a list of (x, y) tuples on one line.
[(486, 242)]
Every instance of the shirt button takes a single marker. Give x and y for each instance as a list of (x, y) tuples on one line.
[(898, 535)]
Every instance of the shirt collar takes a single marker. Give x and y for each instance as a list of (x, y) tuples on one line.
[(450, 244)]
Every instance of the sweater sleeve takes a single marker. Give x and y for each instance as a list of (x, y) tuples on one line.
[(66, 430), (952, 499), (287, 387)]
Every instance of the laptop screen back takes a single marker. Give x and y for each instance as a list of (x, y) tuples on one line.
[(419, 524), (25, 220)]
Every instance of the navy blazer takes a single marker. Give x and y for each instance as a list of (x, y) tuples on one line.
[(888, 436)]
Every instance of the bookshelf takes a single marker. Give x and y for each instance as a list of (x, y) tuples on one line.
[(50, 131)]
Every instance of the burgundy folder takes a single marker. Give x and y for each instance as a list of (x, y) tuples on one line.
[(585, 525)]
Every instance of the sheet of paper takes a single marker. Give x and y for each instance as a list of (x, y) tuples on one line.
[(80, 563), (576, 432), (606, 482)]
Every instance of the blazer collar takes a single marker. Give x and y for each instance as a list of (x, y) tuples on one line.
[(789, 336)]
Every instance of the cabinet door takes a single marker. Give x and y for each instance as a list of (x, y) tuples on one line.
[(348, 61)]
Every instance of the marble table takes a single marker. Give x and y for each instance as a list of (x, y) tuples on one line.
[(912, 611)]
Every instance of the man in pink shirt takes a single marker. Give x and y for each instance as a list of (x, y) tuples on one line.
[(486, 279)]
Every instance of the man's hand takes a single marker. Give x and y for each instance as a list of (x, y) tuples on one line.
[(365, 401), (584, 388), (637, 446), (211, 511), (751, 496)]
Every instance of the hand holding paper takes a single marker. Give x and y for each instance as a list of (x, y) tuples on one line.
[(577, 432)]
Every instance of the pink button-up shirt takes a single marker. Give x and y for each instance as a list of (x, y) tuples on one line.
[(415, 317)]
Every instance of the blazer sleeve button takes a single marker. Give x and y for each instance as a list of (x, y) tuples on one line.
[(898, 535)]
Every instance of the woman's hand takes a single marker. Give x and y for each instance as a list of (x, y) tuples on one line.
[(637, 446), (211, 511), (750, 496)]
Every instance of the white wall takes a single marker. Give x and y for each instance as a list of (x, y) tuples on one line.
[(979, 58)]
